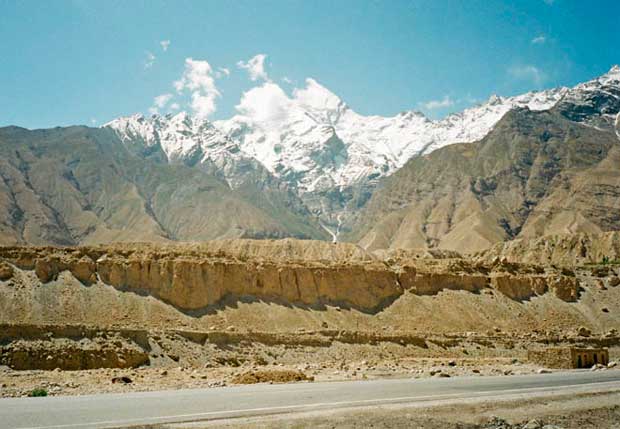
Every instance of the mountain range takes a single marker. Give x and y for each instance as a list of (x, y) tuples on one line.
[(311, 167)]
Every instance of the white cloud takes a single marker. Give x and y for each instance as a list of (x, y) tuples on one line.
[(269, 104), (265, 103), (196, 76), (446, 101), (150, 60), (255, 67), (165, 44), (528, 72), (203, 105), (539, 40), (286, 79), (221, 72), (93, 121), (198, 80), (159, 102), (316, 96), (175, 106)]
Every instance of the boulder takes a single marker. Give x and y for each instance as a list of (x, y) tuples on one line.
[(583, 331), (84, 270), (46, 270), (6, 271)]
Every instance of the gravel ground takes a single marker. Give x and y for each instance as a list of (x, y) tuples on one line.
[(569, 411), (56, 382)]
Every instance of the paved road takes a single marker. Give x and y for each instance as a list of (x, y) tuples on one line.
[(114, 410)]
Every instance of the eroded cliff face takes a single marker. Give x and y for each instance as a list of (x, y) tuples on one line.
[(195, 277), (71, 347)]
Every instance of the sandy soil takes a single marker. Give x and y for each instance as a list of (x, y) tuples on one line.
[(573, 411)]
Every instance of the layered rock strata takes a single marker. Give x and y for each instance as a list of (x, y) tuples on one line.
[(194, 277)]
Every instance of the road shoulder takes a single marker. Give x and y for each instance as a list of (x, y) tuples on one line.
[(577, 408)]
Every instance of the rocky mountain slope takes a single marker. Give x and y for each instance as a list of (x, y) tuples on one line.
[(82, 185), (309, 169), (535, 173), (315, 143), (566, 249), (332, 156)]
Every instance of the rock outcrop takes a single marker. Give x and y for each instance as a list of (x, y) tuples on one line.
[(198, 276), (71, 348), (6, 271)]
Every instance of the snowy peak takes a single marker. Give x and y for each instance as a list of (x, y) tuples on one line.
[(187, 140), (409, 134), (615, 69), (594, 103), (318, 145), (612, 77), (178, 135), (318, 101)]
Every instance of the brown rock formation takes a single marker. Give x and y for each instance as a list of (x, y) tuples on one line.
[(520, 288), (194, 277), (6, 271), (71, 355), (71, 347)]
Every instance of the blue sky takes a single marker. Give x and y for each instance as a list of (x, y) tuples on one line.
[(87, 62)]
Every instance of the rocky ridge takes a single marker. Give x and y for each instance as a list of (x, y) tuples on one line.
[(197, 277), (311, 171), (534, 174), (81, 185), (331, 155)]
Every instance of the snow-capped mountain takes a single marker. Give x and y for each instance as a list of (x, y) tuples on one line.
[(321, 143), (308, 139), (314, 142), (595, 103), (179, 136), (182, 138)]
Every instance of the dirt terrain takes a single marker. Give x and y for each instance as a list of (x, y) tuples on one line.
[(575, 411), (561, 249), (79, 319)]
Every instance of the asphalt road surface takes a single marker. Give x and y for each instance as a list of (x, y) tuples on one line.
[(128, 409)]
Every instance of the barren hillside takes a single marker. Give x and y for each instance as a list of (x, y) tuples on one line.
[(535, 173), (229, 307)]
